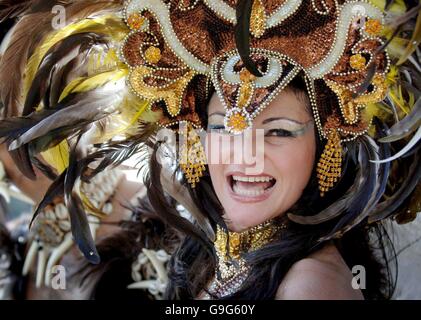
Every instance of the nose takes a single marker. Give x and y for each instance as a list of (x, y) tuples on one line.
[(241, 149)]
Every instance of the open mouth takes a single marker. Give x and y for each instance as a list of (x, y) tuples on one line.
[(251, 186)]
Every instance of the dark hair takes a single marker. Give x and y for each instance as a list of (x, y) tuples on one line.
[(193, 263)]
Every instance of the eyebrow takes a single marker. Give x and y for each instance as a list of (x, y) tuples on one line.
[(282, 118)]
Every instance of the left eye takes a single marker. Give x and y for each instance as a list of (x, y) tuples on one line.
[(279, 133)]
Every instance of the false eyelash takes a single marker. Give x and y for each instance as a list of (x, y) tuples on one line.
[(281, 133), (216, 128)]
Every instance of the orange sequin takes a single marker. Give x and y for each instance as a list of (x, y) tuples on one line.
[(135, 21), (373, 27), (357, 61), (153, 55), (238, 122)]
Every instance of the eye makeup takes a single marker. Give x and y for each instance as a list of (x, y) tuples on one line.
[(276, 130), (273, 127), (216, 123)]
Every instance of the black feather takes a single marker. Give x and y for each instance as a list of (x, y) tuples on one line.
[(60, 54), (45, 169), (78, 218), (12, 128), (56, 189), (23, 161), (388, 207), (82, 109), (116, 153), (242, 35), (406, 126), (366, 196)]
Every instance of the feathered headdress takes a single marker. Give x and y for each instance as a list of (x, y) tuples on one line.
[(124, 70)]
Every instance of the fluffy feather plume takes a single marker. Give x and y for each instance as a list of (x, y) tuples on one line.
[(54, 96), (28, 33)]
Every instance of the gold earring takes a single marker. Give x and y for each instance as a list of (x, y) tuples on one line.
[(193, 159), (329, 167)]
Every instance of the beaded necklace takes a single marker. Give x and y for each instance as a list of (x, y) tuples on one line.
[(232, 268)]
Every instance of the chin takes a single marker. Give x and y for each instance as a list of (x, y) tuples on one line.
[(239, 224), (242, 216)]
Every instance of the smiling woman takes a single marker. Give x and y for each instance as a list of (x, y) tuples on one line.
[(288, 160), (317, 106), (252, 210)]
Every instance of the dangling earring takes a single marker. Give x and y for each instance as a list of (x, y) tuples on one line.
[(192, 155), (329, 167)]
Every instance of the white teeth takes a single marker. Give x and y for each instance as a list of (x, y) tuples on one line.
[(247, 193), (252, 178)]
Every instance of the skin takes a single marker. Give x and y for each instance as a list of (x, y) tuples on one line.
[(33, 189), (289, 160), (323, 275)]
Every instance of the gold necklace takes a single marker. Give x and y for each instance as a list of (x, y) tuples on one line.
[(232, 269)]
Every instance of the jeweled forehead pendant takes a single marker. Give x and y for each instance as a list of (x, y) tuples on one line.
[(238, 119), (245, 95)]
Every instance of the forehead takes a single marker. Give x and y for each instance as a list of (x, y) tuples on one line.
[(285, 104)]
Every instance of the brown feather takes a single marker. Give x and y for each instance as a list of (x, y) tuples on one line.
[(27, 34)]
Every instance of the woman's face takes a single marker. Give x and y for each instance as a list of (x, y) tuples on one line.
[(288, 141)]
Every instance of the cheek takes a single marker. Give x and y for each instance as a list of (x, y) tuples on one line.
[(293, 163), (215, 166), (217, 176)]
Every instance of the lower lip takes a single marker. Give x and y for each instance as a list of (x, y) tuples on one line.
[(249, 199)]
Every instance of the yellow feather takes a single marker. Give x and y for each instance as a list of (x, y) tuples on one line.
[(151, 116), (125, 122), (398, 6), (90, 207), (392, 76), (89, 83), (58, 156), (109, 25)]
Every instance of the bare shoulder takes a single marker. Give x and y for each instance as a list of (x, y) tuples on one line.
[(323, 275)]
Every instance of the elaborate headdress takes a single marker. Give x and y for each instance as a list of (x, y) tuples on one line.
[(154, 62)]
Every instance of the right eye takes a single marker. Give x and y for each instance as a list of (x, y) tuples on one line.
[(216, 128)]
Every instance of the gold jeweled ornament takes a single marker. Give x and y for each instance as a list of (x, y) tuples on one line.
[(246, 88), (193, 158), (237, 122), (153, 55), (357, 61), (373, 27), (171, 94), (350, 107), (232, 268), (135, 21), (258, 19), (329, 167)]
